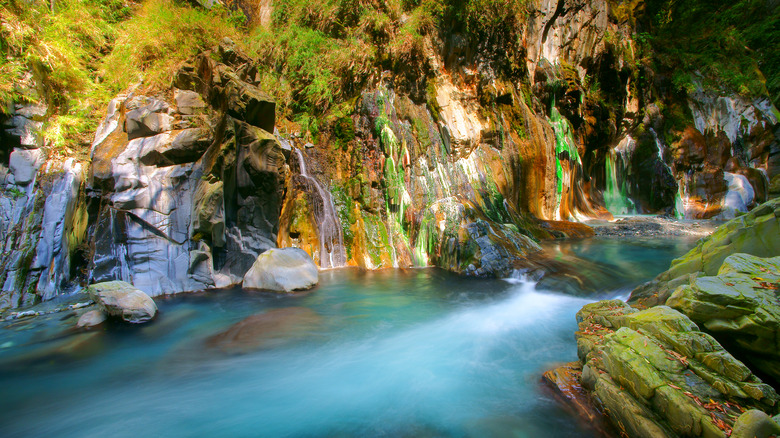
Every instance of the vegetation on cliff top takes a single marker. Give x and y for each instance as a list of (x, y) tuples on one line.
[(76, 56), (728, 45), (317, 56)]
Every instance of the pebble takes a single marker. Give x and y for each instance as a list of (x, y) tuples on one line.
[(28, 313)]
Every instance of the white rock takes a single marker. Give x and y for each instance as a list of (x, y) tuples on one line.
[(123, 300), (282, 270)]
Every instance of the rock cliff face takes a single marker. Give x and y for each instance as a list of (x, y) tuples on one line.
[(43, 215), (464, 161), (186, 192)]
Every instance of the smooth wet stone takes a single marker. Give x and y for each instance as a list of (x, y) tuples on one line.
[(90, 319), (755, 424), (282, 270), (266, 330), (122, 300)]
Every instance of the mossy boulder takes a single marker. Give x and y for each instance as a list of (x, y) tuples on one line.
[(756, 233), (656, 374), (122, 300), (740, 307), (463, 240)]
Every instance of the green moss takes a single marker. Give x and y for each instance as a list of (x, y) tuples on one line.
[(729, 45), (433, 103), (343, 203), (377, 238), (344, 131)]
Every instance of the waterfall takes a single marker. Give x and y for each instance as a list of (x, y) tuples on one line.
[(565, 146), (332, 252), (615, 194)]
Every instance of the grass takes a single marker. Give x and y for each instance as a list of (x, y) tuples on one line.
[(159, 38), (79, 55)]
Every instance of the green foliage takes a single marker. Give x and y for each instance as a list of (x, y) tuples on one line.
[(162, 35), (61, 48), (489, 17), (344, 131), (727, 44), (86, 51)]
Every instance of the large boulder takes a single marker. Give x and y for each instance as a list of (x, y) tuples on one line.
[(756, 233), (740, 307), (122, 300), (656, 374), (282, 270)]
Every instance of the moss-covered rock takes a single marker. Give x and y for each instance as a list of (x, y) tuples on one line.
[(467, 242), (756, 233), (656, 374), (122, 300), (740, 307)]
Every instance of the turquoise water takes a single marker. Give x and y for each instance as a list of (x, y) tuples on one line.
[(387, 353)]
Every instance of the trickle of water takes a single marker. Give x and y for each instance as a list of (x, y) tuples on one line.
[(615, 193), (332, 252)]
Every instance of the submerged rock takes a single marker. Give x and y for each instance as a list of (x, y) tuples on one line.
[(266, 330), (282, 270), (122, 300), (52, 354), (91, 319)]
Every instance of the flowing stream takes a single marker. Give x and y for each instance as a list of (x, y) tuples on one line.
[(417, 352)]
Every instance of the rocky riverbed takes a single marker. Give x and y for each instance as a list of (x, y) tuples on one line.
[(653, 226)]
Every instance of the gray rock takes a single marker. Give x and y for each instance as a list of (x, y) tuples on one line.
[(148, 120), (282, 270), (185, 147), (188, 102), (63, 228), (24, 164), (122, 300), (246, 102), (91, 319), (26, 123)]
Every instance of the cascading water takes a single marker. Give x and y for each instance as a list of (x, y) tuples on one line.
[(332, 252), (615, 194), (565, 147)]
